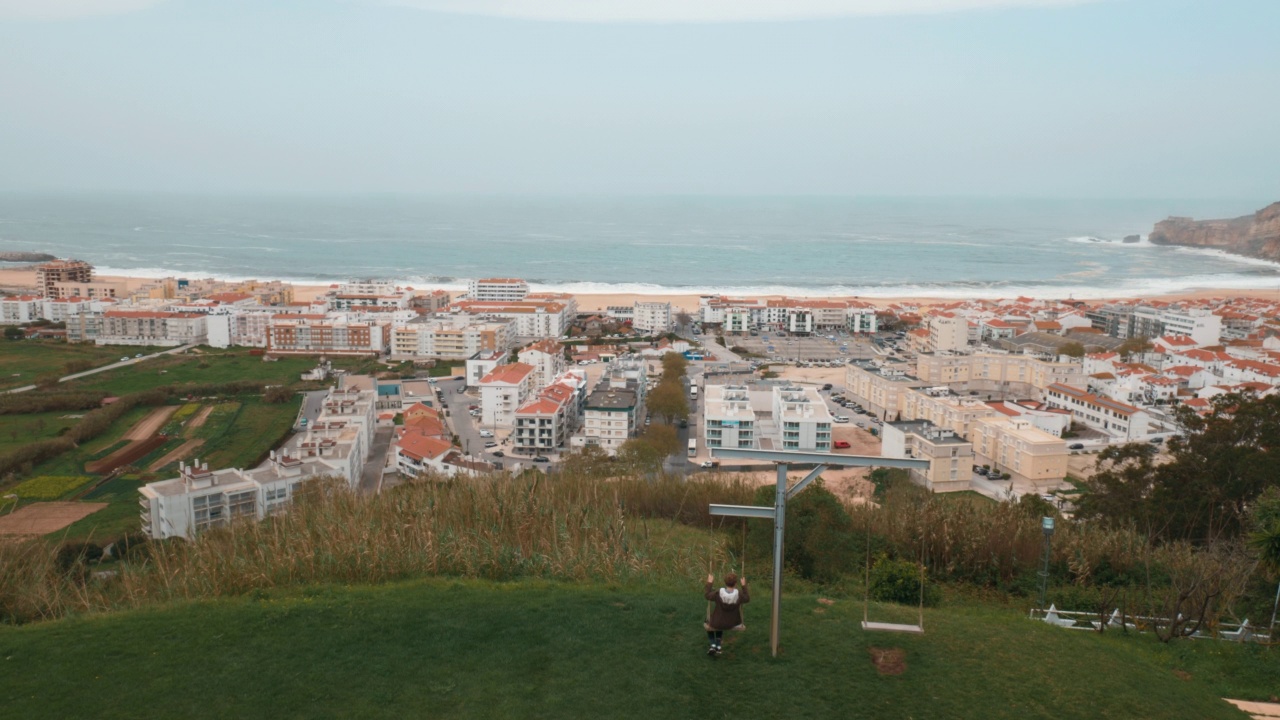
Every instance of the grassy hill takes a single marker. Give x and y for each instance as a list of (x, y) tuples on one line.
[(456, 649)]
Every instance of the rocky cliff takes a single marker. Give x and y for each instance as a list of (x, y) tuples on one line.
[(1256, 235), (25, 257)]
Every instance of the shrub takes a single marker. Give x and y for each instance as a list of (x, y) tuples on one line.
[(75, 555), (899, 581), (821, 541)]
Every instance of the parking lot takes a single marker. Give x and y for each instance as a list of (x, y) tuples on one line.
[(803, 348)]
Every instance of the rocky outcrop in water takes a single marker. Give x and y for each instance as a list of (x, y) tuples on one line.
[(26, 257), (1256, 235)]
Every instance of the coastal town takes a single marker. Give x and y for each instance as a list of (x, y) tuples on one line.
[(1004, 397)]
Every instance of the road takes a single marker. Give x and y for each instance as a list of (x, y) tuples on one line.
[(371, 476), (312, 404), (112, 366)]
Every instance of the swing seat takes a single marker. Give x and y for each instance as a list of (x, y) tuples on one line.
[(891, 627), (708, 628)]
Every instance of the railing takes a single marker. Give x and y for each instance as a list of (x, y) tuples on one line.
[(1087, 620)]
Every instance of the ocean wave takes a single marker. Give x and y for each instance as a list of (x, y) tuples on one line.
[(1115, 242), (962, 290)]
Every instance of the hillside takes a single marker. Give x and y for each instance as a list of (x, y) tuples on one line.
[(458, 649), (1256, 235)]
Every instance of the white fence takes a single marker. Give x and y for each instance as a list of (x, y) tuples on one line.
[(1079, 620)]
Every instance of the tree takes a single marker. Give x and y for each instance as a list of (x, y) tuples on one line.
[(277, 394), (1265, 538), (663, 438), (1218, 468), (13, 332), (1134, 345), (684, 319), (638, 456), (667, 401), (1072, 349), (673, 366)]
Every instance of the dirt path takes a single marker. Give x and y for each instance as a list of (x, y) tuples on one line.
[(198, 419), (151, 424), (178, 453), (46, 517)]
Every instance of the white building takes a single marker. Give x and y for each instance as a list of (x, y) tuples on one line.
[(546, 422), (336, 445), (449, 337), (802, 417), (652, 318), (530, 319), (609, 418), (239, 328), (950, 456), (728, 418), (169, 329), (503, 391), (547, 359), (1117, 419), (500, 290), (19, 309)]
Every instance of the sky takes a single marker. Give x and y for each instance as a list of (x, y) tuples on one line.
[(1044, 98)]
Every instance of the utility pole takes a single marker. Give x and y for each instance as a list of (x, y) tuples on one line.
[(1046, 524)]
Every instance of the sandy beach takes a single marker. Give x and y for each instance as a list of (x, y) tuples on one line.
[(15, 280)]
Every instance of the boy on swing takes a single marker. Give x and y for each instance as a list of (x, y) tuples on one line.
[(726, 610)]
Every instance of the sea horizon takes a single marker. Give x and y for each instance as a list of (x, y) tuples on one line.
[(800, 245)]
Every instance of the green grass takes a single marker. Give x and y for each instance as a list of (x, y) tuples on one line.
[(72, 463), (50, 487), (462, 649), (118, 518), (238, 434), (18, 430), (219, 367), (22, 361)]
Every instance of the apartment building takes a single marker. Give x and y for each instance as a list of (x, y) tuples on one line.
[(797, 316), (449, 337), (20, 309), (546, 422), (652, 318), (336, 445), (314, 333), (142, 327), (238, 327), (948, 334), (547, 359), (500, 290), (97, 290), (370, 296), (1117, 419), (802, 418), (1016, 446), (881, 390), (997, 374), (950, 456), (944, 410), (503, 391), (728, 419), (49, 274), (609, 417), (530, 319)]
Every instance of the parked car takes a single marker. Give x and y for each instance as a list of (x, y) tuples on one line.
[(983, 471), (124, 359), (486, 433), (541, 459), (840, 418), (138, 355), (490, 444), (709, 463), (1076, 446), (841, 445), (827, 386), (473, 407), (1156, 440), (498, 453)]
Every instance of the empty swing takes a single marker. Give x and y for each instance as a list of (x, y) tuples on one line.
[(742, 611), (867, 624)]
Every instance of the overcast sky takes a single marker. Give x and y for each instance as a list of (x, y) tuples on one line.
[(1113, 98)]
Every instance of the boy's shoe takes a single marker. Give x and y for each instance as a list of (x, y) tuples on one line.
[(717, 651), (713, 651)]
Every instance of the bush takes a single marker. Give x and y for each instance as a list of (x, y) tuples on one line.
[(75, 555), (899, 581), (821, 541)]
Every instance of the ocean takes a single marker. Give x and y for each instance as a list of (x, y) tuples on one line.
[(803, 246)]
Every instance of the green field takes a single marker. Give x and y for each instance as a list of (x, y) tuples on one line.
[(18, 430), (22, 361), (208, 367), (462, 649)]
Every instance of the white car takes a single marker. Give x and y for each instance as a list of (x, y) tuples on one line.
[(486, 433), (841, 418)]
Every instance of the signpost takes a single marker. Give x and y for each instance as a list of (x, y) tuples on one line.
[(820, 461)]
